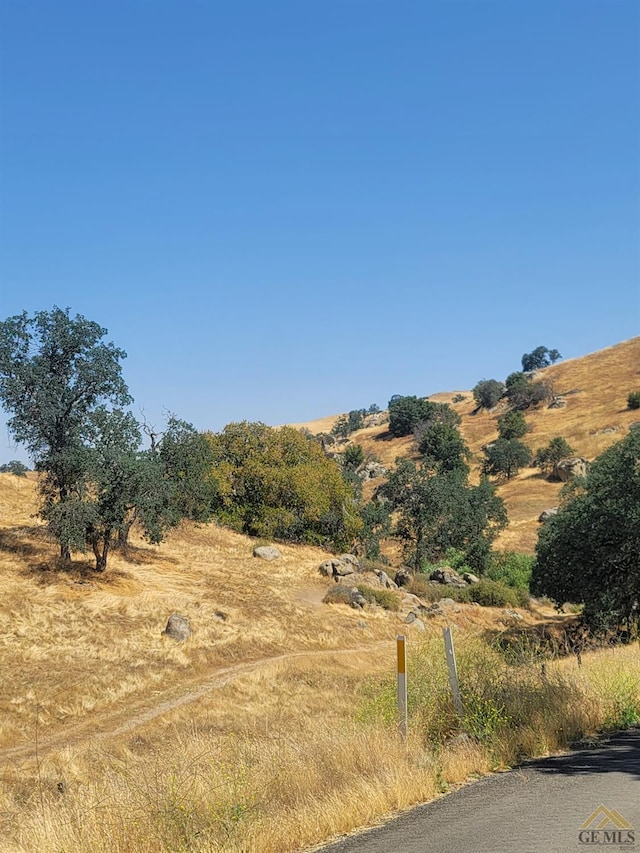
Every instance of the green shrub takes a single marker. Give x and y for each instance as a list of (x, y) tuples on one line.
[(338, 594), (633, 400), (491, 593), (432, 591), (512, 569), (487, 392), (382, 597)]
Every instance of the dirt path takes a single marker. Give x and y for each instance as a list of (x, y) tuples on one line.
[(121, 721)]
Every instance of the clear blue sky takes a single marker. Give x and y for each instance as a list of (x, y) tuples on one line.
[(284, 210)]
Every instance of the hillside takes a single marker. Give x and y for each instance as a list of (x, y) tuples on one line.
[(594, 389), (268, 729)]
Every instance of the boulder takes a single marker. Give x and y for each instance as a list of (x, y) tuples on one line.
[(546, 514), (178, 628), (385, 580), (376, 419), (557, 403), (357, 598), (434, 610), (470, 578), (410, 601), (567, 469), (403, 577), (371, 471), (512, 614), (326, 568), (339, 567), (266, 552), (447, 576)]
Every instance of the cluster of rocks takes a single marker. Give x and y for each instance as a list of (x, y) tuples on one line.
[(340, 567), (449, 577), (371, 471), (346, 571)]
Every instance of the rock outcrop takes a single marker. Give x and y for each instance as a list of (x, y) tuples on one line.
[(567, 469)]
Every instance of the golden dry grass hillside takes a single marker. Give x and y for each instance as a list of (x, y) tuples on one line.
[(81, 647), (96, 701), (595, 415), (272, 727)]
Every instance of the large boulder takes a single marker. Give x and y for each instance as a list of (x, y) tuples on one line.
[(385, 580), (567, 469), (178, 628), (447, 576), (340, 567), (266, 552)]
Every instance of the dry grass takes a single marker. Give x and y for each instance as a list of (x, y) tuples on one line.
[(292, 755), (257, 733), (595, 416)]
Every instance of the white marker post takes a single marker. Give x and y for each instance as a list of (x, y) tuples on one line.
[(402, 685), (453, 670)]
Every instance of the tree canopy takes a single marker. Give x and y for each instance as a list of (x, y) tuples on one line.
[(55, 373), (505, 457), (538, 358), (588, 552), (548, 457), (438, 511), (62, 385), (279, 483), (487, 392)]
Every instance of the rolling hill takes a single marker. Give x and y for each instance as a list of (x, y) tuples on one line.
[(594, 390)]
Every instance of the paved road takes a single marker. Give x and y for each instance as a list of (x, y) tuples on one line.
[(539, 808)]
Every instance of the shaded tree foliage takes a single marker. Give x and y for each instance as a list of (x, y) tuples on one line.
[(353, 457), (538, 358), (55, 371), (406, 414), (522, 392), (548, 457), (588, 552), (376, 526), (436, 512), (505, 457), (351, 422), (512, 425), (442, 447), (14, 466), (488, 392), (63, 387)]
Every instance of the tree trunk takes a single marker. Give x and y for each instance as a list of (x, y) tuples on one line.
[(65, 553), (124, 531), (101, 553)]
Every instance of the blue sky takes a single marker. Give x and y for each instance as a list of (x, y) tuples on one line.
[(286, 210)]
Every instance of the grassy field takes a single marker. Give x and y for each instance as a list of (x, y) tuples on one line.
[(273, 727)]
